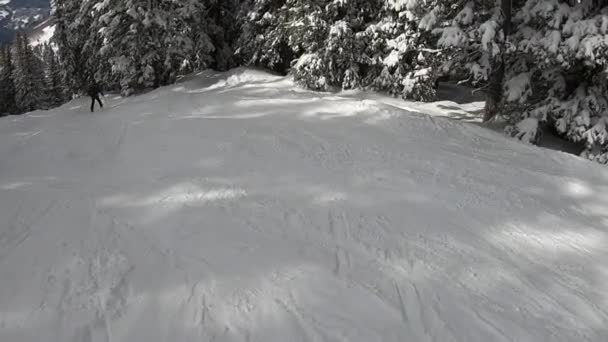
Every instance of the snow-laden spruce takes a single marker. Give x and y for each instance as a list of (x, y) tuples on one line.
[(344, 44), (7, 83), (543, 60), (137, 44), (28, 76)]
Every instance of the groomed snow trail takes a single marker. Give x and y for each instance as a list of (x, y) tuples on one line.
[(237, 207)]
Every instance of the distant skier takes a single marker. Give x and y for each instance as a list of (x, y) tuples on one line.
[(94, 90)]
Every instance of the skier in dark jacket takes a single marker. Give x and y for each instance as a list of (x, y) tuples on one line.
[(94, 90)]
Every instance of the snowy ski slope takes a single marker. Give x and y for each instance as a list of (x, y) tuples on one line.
[(238, 207)]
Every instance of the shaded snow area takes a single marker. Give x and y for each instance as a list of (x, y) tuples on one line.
[(238, 207)]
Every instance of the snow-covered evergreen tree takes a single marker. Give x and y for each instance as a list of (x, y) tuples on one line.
[(147, 43), (7, 86), (264, 40), (223, 30), (334, 51), (345, 44), (54, 89), (377, 44), (134, 33), (28, 75), (76, 41), (473, 37), (409, 62), (561, 77), (135, 44), (539, 61)]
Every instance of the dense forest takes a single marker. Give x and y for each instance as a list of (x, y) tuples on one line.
[(539, 62)]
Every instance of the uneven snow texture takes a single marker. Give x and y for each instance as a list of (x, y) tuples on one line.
[(237, 207)]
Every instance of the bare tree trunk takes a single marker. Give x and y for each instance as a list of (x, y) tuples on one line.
[(506, 12), (494, 92)]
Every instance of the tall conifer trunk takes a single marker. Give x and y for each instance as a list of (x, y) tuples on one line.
[(494, 92)]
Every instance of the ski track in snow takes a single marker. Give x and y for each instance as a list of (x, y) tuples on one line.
[(238, 207)]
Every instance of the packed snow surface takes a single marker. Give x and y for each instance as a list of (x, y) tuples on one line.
[(238, 207)]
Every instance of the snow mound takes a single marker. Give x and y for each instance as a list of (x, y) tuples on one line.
[(241, 76), (238, 207)]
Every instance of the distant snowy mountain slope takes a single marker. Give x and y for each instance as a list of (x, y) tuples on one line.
[(238, 207), (21, 14)]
